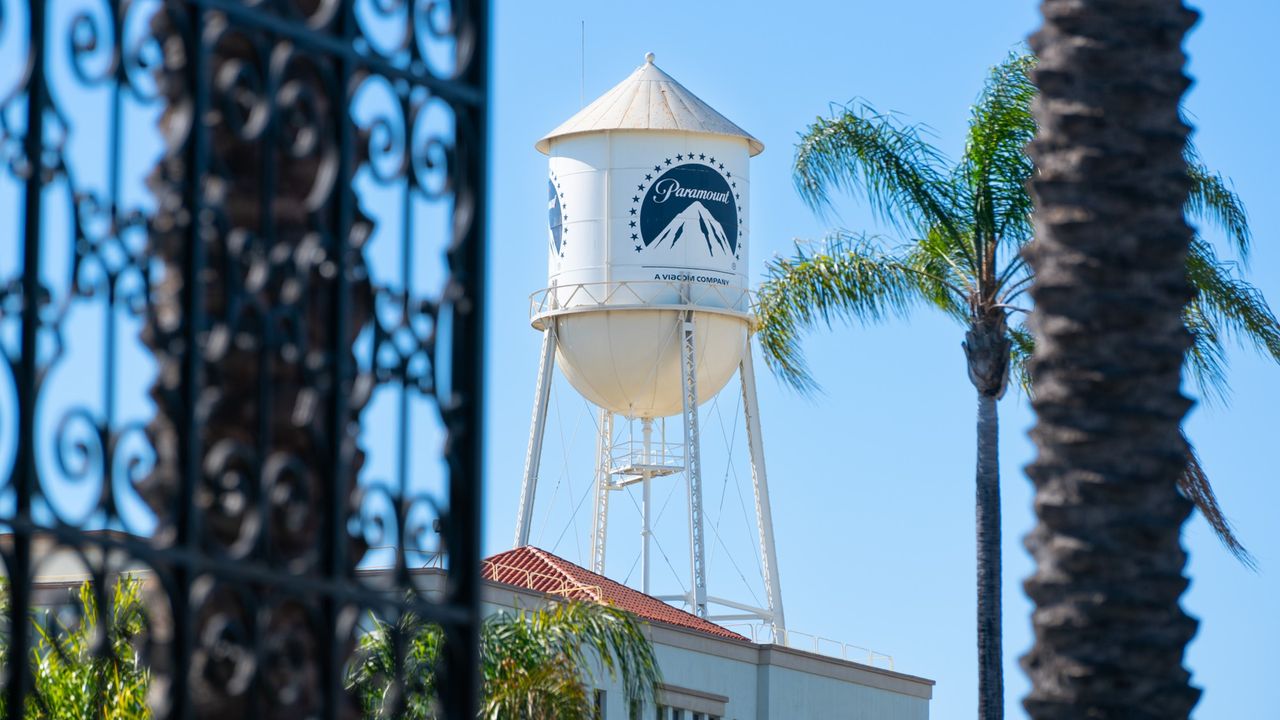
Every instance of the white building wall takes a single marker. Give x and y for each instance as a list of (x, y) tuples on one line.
[(767, 682), (795, 694), (732, 678)]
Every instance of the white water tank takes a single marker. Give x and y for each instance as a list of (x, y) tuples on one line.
[(647, 210)]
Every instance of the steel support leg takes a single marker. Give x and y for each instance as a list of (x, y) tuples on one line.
[(693, 465), (646, 509), (760, 481), (533, 457), (600, 519)]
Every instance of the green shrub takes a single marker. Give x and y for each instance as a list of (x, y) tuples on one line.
[(92, 669)]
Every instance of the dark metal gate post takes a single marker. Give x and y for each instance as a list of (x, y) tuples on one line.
[(27, 375), (247, 272), (467, 258)]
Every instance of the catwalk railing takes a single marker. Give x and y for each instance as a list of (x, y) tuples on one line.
[(570, 298), (241, 316)]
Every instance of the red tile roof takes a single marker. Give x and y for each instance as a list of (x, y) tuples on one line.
[(534, 569)]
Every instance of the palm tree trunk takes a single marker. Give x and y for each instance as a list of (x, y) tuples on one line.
[(987, 503), (1109, 260), (986, 349)]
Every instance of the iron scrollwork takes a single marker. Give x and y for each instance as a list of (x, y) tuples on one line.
[(241, 322)]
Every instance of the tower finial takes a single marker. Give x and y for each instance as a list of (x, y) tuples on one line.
[(648, 57)]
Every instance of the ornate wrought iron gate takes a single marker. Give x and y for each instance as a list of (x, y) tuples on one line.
[(241, 258)]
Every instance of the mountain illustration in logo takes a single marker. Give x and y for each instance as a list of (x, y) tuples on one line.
[(692, 202), (695, 221)]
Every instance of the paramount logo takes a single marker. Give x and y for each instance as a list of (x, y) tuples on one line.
[(689, 206), (667, 188)]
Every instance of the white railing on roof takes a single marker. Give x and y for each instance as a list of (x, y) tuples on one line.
[(767, 634), (415, 559)]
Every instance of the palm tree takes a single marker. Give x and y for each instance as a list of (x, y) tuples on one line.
[(535, 663), (1112, 259), (964, 227)]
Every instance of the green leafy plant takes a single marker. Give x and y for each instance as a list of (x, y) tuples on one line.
[(536, 664), (91, 669)]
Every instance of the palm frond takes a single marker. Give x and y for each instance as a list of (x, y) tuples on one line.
[(941, 264), (1212, 200), (861, 150), (1194, 484), (995, 166), (533, 663), (848, 278), (523, 676), (409, 649), (1022, 344), (612, 637), (1206, 358), (1229, 306)]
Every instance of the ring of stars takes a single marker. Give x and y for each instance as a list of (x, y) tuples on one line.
[(564, 217)]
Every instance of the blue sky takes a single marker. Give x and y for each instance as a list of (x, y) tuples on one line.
[(872, 481)]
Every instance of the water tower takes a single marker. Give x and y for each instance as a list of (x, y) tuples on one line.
[(647, 311)]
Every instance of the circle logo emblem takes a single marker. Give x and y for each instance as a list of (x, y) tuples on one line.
[(690, 202), (556, 216)]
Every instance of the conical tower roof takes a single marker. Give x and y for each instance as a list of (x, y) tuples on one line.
[(649, 99)]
